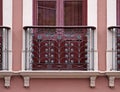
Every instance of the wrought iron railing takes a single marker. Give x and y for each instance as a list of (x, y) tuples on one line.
[(115, 47), (59, 48), (4, 47)]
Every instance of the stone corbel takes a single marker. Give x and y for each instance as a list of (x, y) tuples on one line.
[(7, 81), (92, 81), (111, 81), (26, 81)]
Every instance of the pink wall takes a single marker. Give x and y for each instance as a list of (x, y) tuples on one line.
[(17, 34), (58, 85), (102, 33)]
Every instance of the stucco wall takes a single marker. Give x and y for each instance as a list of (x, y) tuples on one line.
[(58, 85)]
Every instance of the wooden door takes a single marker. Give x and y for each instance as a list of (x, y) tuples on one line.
[(59, 13), (1, 35), (0, 12)]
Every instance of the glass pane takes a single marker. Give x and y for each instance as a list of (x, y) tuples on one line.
[(73, 13), (46, 13)]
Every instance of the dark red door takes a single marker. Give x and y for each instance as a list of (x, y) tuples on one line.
[(0, 35), (0, 12), (59, 13)]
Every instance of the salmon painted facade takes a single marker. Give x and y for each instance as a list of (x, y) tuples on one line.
[(59, 45)]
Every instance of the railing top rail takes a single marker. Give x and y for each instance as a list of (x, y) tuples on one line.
[(112, 27), (65, 27), (55, 0), (6, 27)]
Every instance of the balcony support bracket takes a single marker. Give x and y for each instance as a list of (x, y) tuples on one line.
[(26, 81), (7, 81), (111, 81), (92, 81)]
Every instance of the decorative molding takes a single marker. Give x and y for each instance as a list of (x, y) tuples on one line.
[(111, 81), (26, 81), (59, 74), (92, 75), (7, 81), (92, 81)]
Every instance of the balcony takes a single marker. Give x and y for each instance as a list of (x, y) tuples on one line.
[(59, 48), (59, 52)]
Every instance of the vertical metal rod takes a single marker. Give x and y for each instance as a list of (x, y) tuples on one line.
[(92, 49), (26, 49), (7, 36), (113, 49), (88, 49), (3, 52), (30, 48)]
